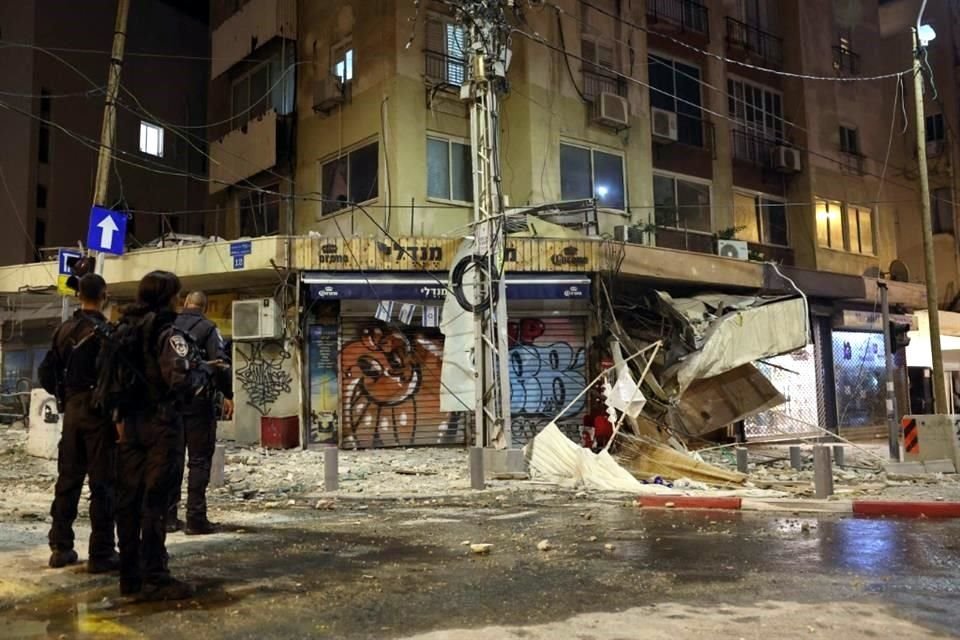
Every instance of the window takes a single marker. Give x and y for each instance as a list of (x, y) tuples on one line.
[(260, 212), (45, 104), (151, 139), (935, 131), (343, 62), (599, 68), (829, 224), (446, 52), (849, 141), (941, 209), (590, 173), (675, 87), (43, 144), (449, 170), (681, 204), (761, 219), (860, 229), (758, 112), (39, 235), (265, 86), (351, 178), (41, 197)]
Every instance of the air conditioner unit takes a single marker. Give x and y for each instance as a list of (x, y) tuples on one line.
[(327, 93), (785, 159), (611, 110), (664, 125), (736, 249), (257, 319)]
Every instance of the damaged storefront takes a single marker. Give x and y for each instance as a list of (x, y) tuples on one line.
[(375, 355)]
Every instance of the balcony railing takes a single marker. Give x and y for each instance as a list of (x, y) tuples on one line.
[(445, 69), (751, 148), (685, 15), (845, 61), (700, 242), (596, 82), (756, 41)]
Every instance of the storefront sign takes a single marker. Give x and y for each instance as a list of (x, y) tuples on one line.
[(396, 287), (569, 257), (854, 320)]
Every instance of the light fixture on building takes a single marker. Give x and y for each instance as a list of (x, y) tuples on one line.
[(926, 34)]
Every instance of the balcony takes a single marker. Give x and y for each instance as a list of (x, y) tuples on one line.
[(684, 16), (444, 69), (751, 148), (596, 82), (246, 151), (255, 24), (699, 242), (846, 62), (756, 42)]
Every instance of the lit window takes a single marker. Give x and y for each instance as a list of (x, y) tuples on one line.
[(151, 139), (590, 173), (829, 225), (449, 168), (343, 63), (681, 204), (860, 229), (446, 52), (761, 219)]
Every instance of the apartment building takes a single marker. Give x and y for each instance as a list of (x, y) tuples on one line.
[(53, 90)]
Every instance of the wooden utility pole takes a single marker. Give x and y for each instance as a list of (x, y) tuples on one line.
[(108, 131)]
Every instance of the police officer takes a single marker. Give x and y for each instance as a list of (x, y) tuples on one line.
[(200, 419), (88, 443), (150, 430)]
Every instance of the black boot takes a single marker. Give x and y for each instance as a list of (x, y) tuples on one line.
[(60, 559), (104, 565), (201, 527), (167, 589), (173, 524)]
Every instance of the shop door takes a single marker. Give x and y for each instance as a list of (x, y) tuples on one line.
[(547, 370), (390, 384)]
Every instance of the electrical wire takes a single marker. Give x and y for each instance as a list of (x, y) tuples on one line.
[(22, 223)]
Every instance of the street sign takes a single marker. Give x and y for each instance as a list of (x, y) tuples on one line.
[(238, 250), (108, 231), (64, 258)]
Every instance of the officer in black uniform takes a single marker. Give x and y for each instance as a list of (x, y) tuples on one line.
[(88, 442), (200, 419), (150, 432)]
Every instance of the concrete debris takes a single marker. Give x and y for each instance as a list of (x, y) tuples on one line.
[(544, 545), (481, 548)]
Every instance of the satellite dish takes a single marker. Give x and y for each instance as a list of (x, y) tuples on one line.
[(899, 271), (872, 272)]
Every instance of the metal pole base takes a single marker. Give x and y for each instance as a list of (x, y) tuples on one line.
[(796, 458), (742, 461), (476, 469), (822, 472), (331, 470)]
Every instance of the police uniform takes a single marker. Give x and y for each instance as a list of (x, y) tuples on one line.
[(153, 434), (87, 444), (200, 423)]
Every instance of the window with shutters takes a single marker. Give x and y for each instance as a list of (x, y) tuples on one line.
[(599, 68), (446, 51)]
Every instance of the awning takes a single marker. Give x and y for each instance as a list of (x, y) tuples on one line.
[(394, 286)]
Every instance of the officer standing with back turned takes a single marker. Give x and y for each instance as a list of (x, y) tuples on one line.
[(88, 442), (200, 419)]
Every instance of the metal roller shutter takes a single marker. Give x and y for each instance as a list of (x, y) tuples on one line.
[(390, 381), (548, 369)]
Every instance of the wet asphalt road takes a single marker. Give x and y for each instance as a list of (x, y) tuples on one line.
[(398, 570)]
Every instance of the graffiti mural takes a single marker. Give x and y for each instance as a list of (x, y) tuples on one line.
[(262, 376), (546, 367), (391, 382)]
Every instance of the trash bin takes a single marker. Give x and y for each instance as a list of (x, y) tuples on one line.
[(279, 433)]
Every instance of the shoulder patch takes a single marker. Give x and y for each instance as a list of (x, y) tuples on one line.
[(179, 345)]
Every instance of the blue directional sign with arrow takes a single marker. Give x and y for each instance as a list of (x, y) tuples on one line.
[(108, 231)]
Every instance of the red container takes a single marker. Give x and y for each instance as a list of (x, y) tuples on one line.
[(279, 433)]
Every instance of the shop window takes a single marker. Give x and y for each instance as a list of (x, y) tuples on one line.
[(449, 170), (590, 173), (860, 374), (350, 179), (681, 204)]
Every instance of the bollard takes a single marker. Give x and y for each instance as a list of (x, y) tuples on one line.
[(476, 468), (822, 472), (742, 462), (838, 452), (796, 458), (217, 466), (331, 472)]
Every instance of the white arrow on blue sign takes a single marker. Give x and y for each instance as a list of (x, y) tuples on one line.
[(108, 231)]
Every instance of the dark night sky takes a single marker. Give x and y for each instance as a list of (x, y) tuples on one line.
[(199, 9)]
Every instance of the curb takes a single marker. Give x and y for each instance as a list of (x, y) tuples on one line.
[(886, 508)]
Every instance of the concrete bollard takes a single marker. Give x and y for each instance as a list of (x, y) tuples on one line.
[(822, 472), (838, 452), (742, 461), (217, 467), (331, 471), (796, 457), (476, 468)]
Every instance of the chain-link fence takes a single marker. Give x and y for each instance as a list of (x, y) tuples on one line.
[(795, 376), (860, 377)]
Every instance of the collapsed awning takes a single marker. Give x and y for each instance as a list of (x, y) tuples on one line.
[(393, 286)]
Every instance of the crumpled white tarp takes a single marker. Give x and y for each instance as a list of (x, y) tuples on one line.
[(745, 336), (458, 390)]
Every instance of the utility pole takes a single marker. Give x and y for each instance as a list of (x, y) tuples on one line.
[(939, 393), (108, 131), (485, 24)]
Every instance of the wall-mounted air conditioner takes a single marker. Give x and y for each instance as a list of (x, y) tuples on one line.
[(663, 124), (736, 249), (785, 159), (257, 319), (611, 110)]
